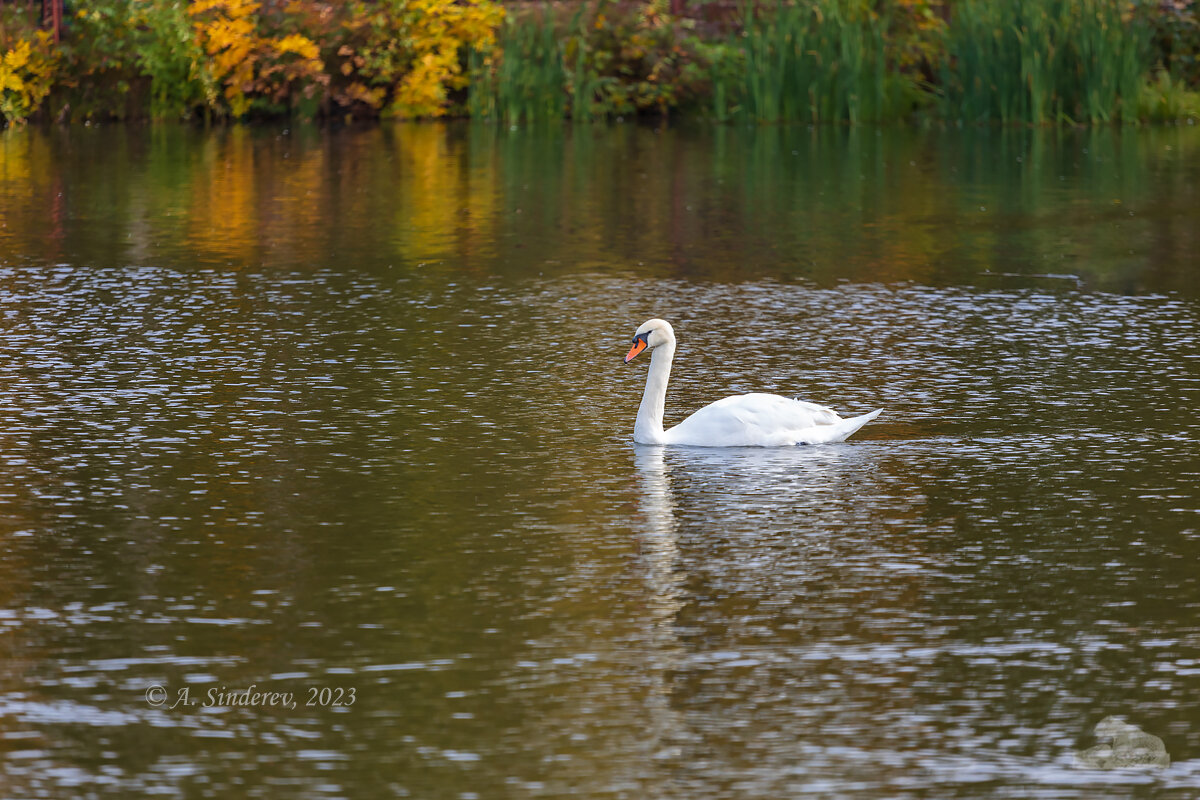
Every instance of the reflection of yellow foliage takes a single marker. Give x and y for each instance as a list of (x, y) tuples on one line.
[(15, 169), (432, 193), (26, 75), (224, 211), (438, 30), (26, 196), (293, 207)]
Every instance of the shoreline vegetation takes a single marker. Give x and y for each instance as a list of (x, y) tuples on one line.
[(1025, 62)]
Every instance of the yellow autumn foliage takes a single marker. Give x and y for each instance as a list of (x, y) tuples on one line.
[(247, 64), (225, 29), (298, 44), (437, 31), (27, 74)]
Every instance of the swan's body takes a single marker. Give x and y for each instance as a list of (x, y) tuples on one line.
[(745, 420)]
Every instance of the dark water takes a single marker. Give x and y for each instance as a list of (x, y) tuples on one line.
[(308, 410)]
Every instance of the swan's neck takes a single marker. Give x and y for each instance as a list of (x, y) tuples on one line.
[(648, 429)]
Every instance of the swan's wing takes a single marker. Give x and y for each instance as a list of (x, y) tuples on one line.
[(822, 415), (754, 419)]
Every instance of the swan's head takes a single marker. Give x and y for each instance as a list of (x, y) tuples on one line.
[(649, 335)]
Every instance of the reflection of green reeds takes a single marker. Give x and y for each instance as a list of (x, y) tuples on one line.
[(818, 62), (1038, 61)]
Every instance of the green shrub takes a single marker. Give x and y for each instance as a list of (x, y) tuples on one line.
[(166, 51)]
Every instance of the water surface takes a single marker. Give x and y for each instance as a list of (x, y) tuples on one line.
[(303, 409)]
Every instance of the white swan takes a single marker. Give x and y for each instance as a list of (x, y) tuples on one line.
[(745, 420)]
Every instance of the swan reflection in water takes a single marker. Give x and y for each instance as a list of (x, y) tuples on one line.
[(756, 566), (782, 487), (659, 555), (762, 493), (751, 499)]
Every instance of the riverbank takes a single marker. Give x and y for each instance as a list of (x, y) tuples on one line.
[(839, 61)]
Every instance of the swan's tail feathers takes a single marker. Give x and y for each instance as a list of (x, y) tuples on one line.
[(840, 431)]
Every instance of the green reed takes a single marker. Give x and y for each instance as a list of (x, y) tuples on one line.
[(536, 69), (481, 86), (820, 62), (584, 84), (526, 79), (1042, 61)]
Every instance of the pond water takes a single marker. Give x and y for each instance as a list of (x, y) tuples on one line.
[(304, 409)]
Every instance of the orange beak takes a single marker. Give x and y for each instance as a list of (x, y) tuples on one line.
[(638, 346)]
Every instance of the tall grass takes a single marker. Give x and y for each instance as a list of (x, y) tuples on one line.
[(584, 84), (481, 85), (537, 69), (526, 80), (532, 80), (1042, 61), (818, 62), (1010, 61)]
